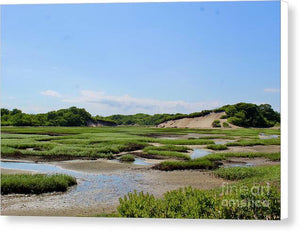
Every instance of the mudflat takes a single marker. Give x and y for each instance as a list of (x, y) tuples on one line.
[(62, 204)]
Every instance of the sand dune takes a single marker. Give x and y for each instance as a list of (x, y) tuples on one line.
[(198, 122)]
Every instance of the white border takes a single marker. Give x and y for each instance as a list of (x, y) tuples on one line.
[(284, 109)]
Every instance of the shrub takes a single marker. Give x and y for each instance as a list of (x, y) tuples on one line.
[(225, 124), (189, 203), (140, 205), (127, 158), (251, 115), (194, 203), (216, 123), (224, 116)]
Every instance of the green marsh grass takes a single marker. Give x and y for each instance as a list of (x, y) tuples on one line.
[(237, 173), (9, 151), (35, 183), (105, 142), (211, 161), (185, 141), (253, 142), (224, 156), (200, 163), (171, 154), (168, 148)]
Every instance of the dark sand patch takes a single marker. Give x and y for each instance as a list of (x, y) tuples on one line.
[(256, 148), (257, 161), (97, 166)]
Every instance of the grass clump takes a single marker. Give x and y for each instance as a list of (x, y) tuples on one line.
[(253, 142), (224, 116), (168, 148), (224, 156), (217, 147), (35, 183), (200, 163), (236, 173), (216, 123), (210, 161), (225, 124), (9, 151), (264, 173), (127, 158), (185, 141), (171, 154)]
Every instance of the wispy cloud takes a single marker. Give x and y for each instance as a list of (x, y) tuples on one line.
[(51, 93), (271, 90), (101, 103)]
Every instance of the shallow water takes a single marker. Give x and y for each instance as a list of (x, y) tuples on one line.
[(138, 161), (239, 165), (197, 153), (264, 136), (91, 188), (222, 141)]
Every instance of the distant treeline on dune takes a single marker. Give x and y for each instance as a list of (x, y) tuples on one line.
[(240, 114)]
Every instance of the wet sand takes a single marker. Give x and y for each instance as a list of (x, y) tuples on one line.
[(257, 148), (59, 204), (12, 171), (258, 161)]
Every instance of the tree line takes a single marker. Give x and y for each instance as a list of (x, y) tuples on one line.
[(241, 114)]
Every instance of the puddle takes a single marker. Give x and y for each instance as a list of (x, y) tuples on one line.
[(91, 188), (140, 162), (197, 153), (264, 136), (239, 165), (137, 161), (222, 142)]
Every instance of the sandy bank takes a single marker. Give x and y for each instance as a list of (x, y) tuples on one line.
[(197, 122), (13, 171)]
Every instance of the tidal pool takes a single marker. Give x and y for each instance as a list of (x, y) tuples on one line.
[(239, 165), (91, 188), (197, 153), (264, 136), (138, 161)]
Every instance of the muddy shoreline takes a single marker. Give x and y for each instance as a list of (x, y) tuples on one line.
[(60, 204)]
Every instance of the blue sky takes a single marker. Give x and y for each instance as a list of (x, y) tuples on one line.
[(146, 57)]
